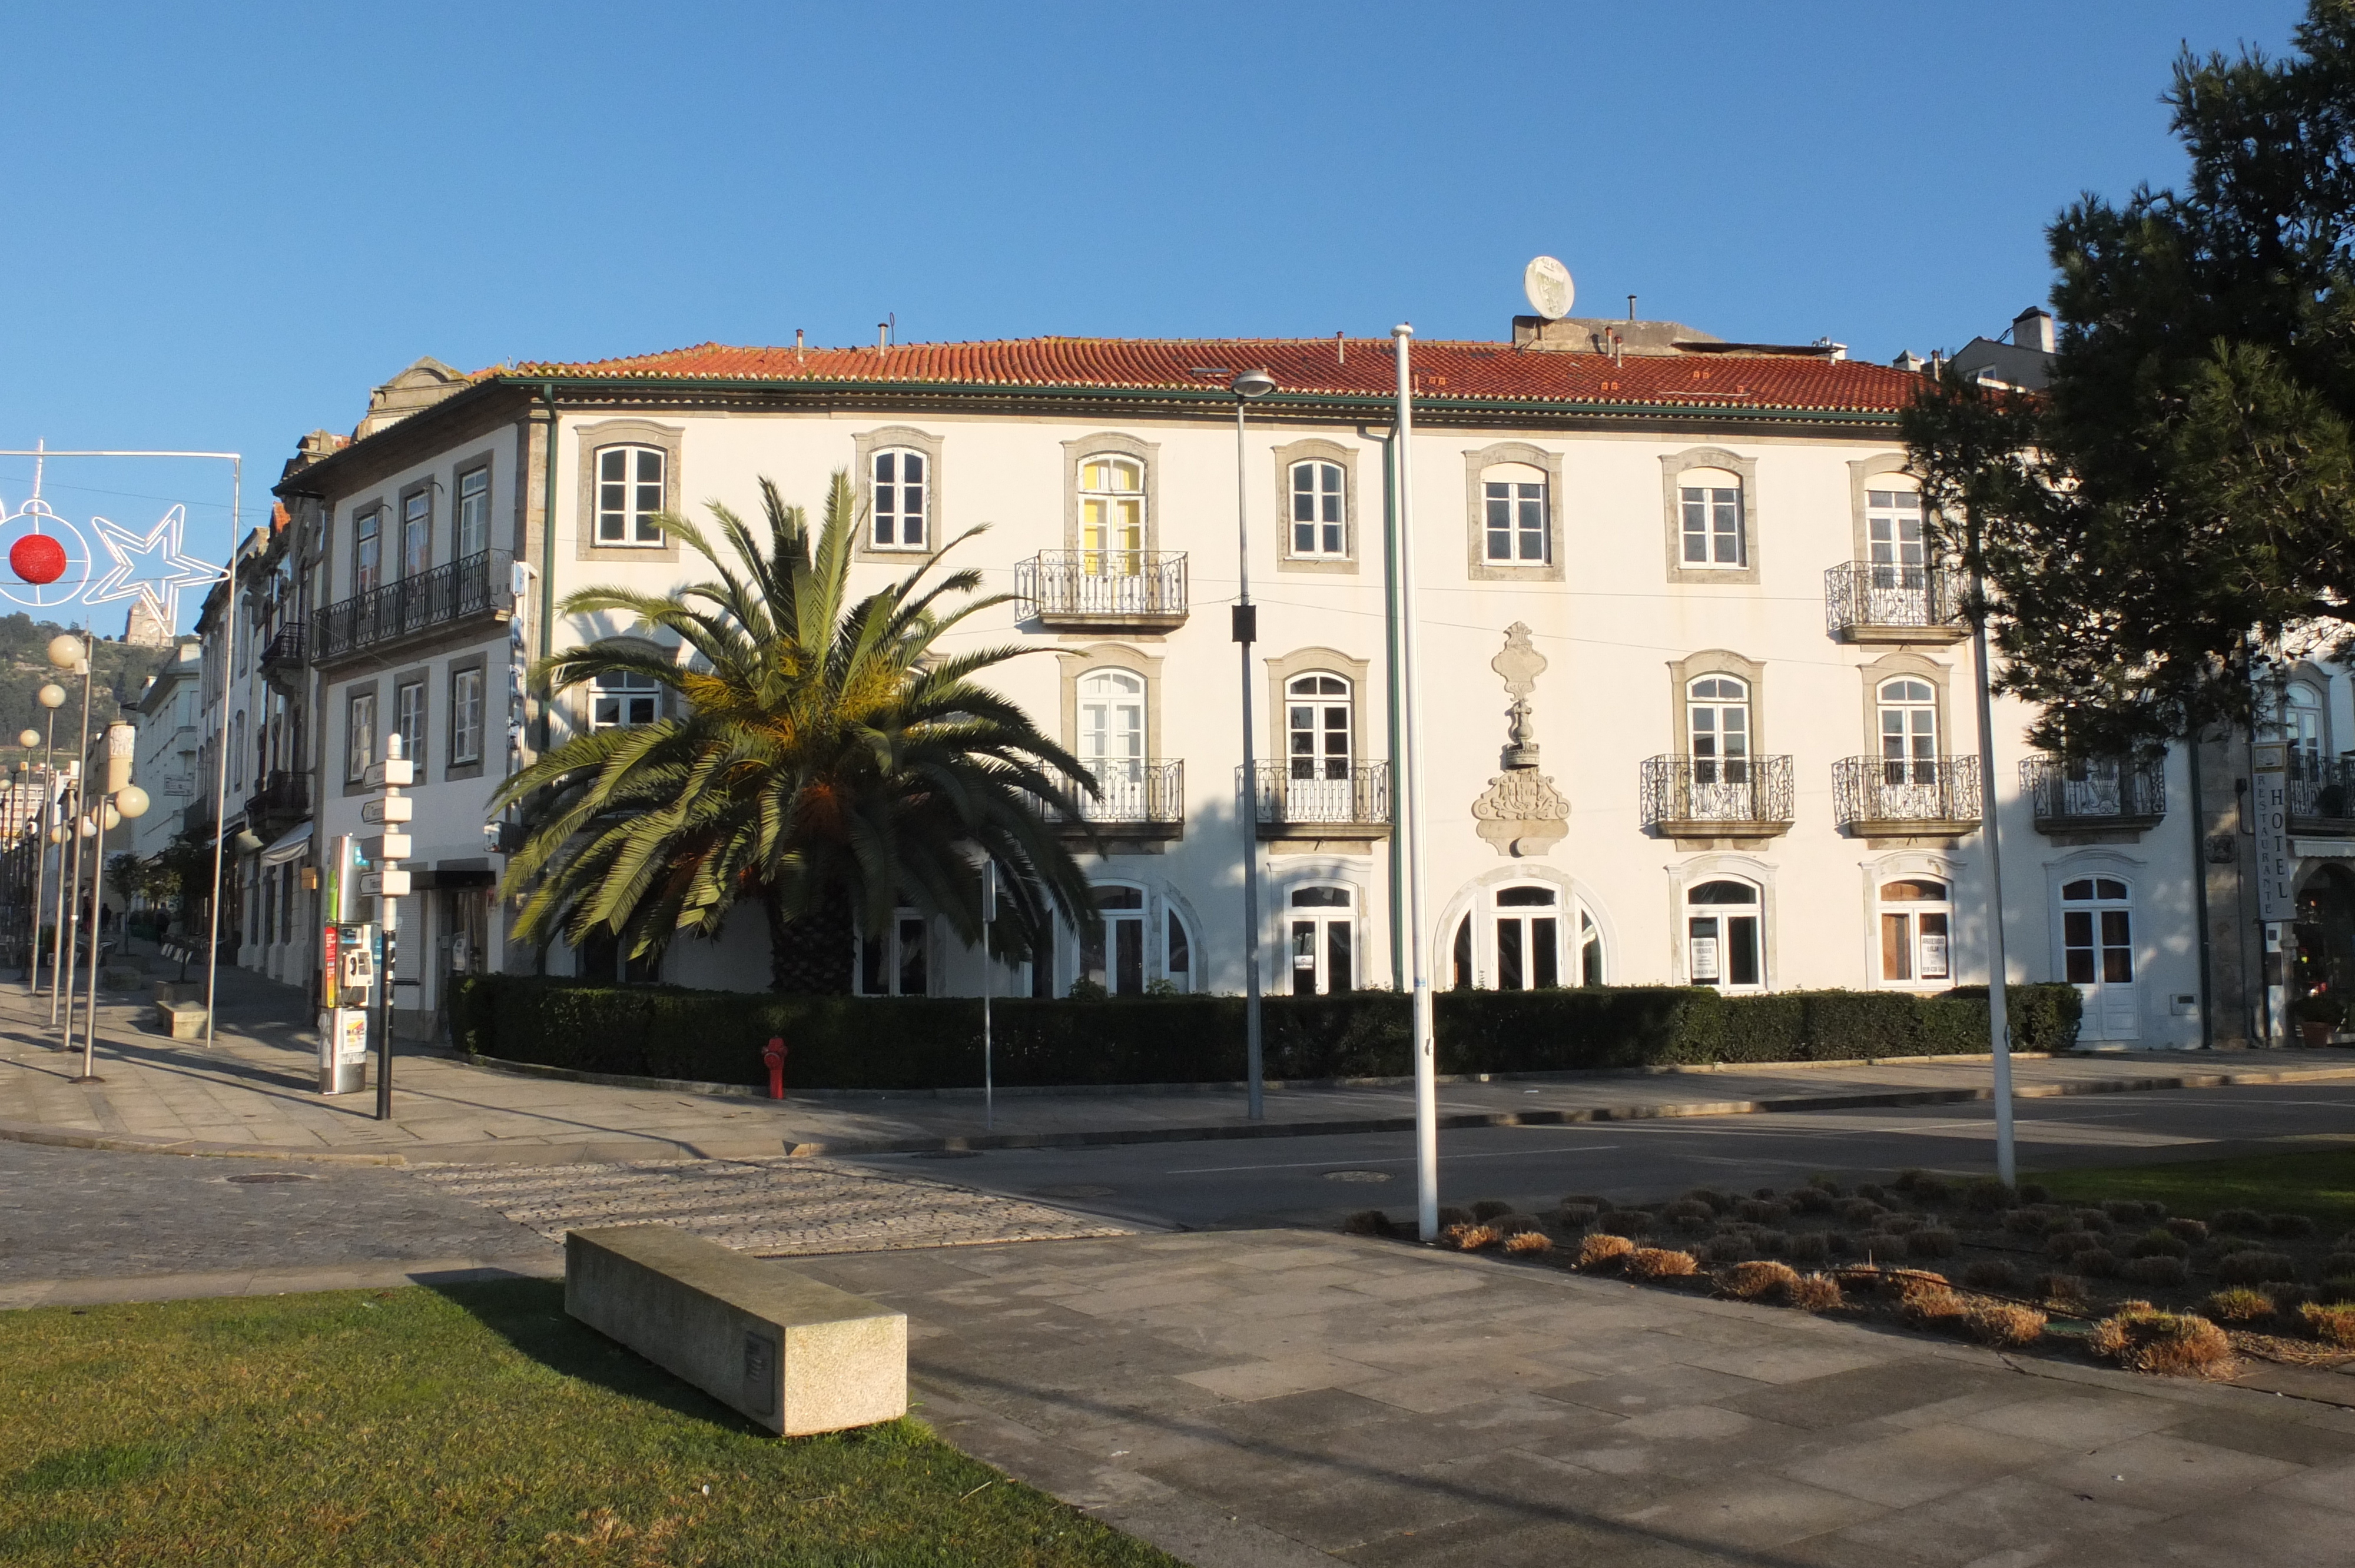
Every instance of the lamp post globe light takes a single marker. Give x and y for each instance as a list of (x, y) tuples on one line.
[(70, 653), (1248, 387)]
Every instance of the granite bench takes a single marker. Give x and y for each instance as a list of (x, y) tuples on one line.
[(787, 1352)]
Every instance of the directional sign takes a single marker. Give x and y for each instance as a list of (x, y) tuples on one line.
[(392, 808), (385, 846), (396, 771), (386, 883)]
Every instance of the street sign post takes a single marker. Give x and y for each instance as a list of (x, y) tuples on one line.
[(387, 883), (2276, 877)]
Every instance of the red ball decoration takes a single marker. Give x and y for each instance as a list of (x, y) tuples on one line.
[(37, 558)]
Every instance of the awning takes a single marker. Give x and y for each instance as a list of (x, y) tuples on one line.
[(293, 845)]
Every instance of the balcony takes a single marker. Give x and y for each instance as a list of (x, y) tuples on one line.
[(2093, 796), (1104, 590), (1142, 800), (1924, 797), (1355, 804), (1866, 601), (1749, 798), (285, 659), (284, 797), (2322, 795), (404, 610)]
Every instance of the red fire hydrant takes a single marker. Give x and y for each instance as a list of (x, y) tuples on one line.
[(773, 1054)]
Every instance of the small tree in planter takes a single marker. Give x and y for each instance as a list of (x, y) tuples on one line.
[(2320, 1017)]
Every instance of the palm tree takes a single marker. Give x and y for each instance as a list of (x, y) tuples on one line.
[(830, 763)]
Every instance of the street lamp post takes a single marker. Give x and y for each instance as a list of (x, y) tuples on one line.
[(121, 801), (70, 653), (51, 697), (1248, 386), (1409, 802)]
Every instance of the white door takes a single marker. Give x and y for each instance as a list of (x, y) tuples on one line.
[(1717, 711), (1321, 930), (2097, 956)]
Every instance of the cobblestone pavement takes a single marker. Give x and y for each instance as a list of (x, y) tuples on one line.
[(775, 1207)]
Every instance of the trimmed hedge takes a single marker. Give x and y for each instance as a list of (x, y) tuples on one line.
[(910, 1043)]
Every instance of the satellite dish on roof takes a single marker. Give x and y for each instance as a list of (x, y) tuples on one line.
[(1547, 283)]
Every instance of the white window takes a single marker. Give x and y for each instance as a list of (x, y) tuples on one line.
[(1112, 741), (1916, 920), (899, 501), (465, 716), (2302, 730), (1177, 951), (1111, 516), (1316, 727), (360, 735), (1721, 935), (473, 533), (623, 697), (1717, 721), (1319, 509), (1513, 501), (1523, 933), (416, 532), (629, 496), (1322, 927), (1709, 507), (1114, 957), (408, 711), (1892, 523), (2097, 955), (1909, 731), (367, 551), (898, 961)]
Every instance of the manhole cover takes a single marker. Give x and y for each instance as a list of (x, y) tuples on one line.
[(1356, 1175), (1071, 1192), (264, 1178)]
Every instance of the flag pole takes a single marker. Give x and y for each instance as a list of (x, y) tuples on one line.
[(1410, 769)]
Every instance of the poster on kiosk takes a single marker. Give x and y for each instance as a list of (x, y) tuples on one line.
[(348, 955)]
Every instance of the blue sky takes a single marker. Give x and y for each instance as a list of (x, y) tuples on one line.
[(224, 224)]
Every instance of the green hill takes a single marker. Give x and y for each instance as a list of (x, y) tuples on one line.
[(120, 670)]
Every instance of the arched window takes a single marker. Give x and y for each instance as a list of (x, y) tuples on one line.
[(1114, 958), (1112, 516), (1721, 935), (899, 499), (1323, 926), (2302, 730), (623, 697), (1908, 730), (1524, 934), (1916, 912), (1710, 510), (1113, 740), (1513, 499), (1319, 509), (629, 496), (1717, 721)]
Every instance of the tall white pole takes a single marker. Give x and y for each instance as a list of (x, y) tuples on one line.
[(2006, 1163), (1245, 630), (98, 800), (41, 852), (220, 786), (1409, 770)]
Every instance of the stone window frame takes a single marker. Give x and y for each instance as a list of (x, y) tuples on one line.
[(1683, 672), (1119, 444), (1684, 875), (1674, 464), (1861, 473), (1077, 662), (1315, 661), (865, 444), (1317, 448), (1476, 462), (485, 463), (1890, 868), (356, 783), (594, 439), (1891, 666), (479, 664), (421, 677)]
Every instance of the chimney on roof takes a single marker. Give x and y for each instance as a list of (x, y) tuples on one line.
[(2035, 329), (1908, 362), (882, 336)]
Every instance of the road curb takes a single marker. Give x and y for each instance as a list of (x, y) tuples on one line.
[(124, 1143)]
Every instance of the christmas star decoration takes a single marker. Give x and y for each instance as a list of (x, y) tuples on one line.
[(150, 567)]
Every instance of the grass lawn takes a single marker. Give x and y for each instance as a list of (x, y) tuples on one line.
[(470, 1425), (2321, 1185)]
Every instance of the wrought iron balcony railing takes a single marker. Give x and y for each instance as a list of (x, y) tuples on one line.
[(1353, 795), (1749, 796), (2321, 788), (286, 793), (2097, 793), (1139, 588), (1141, 791), (288, 647), (1927, 794), (478, 584), (1866, 601)]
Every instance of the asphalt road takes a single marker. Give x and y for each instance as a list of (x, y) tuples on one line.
[(1281, 1180)]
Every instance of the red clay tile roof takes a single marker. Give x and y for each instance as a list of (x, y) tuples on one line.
[(1484, 372)]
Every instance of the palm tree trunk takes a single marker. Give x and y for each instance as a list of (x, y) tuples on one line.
[(810, 956)]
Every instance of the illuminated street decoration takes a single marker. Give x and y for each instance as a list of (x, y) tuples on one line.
[(150, 566)]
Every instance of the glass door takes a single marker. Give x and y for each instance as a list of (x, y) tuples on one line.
[(1322, 940)]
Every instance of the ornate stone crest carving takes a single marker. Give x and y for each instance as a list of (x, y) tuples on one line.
[(1520, 812)]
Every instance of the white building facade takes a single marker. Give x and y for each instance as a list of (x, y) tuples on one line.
[(1696, 706)]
